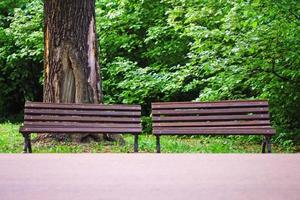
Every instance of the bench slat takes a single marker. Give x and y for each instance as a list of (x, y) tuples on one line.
[(80, 112), (40, 105), (210, 118), (75, 124), (219, 127), (82, 119), (219, 104), (78, 130), (220, 131), (210, 111), (219, 101), (218, 123)]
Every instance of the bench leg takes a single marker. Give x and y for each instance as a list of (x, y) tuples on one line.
[(136, 144), (266, 143), (263, 145), (27, 143), (158, 143)]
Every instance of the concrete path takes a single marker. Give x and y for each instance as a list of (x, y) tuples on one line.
[(149, 176)]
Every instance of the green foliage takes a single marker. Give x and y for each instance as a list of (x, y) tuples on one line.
[(138, 50), (248, 50), (204, 50), (21, 54), (171, 50)]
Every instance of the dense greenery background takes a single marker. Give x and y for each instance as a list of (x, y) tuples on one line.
[(170, 50)]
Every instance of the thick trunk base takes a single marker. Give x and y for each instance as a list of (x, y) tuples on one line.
[(80, 138)]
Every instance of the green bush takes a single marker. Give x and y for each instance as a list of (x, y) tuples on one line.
[(21, 55)]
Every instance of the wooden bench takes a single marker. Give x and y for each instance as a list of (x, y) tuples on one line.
[(80, 118), (245, 117)]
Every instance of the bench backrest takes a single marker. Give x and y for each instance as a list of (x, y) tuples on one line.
[(81, 117), (222, 117)]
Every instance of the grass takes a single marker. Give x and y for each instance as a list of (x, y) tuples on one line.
[(11, 141)]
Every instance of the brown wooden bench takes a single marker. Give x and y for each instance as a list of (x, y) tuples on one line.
[(245, 117), (80, 118)]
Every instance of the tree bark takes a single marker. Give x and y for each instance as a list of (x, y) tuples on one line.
[(71, 57), (71, 67)]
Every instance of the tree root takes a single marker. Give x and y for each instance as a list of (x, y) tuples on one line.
[(80, 138)]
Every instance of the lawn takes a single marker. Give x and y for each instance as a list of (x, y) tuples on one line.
[(11, 141)]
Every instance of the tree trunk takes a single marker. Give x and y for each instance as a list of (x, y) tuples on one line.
[(71, 61), (71, 68)]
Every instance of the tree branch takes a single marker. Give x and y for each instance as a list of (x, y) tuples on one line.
[(277, 74)]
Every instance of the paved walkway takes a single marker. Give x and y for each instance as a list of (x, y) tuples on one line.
[(149, 176)]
